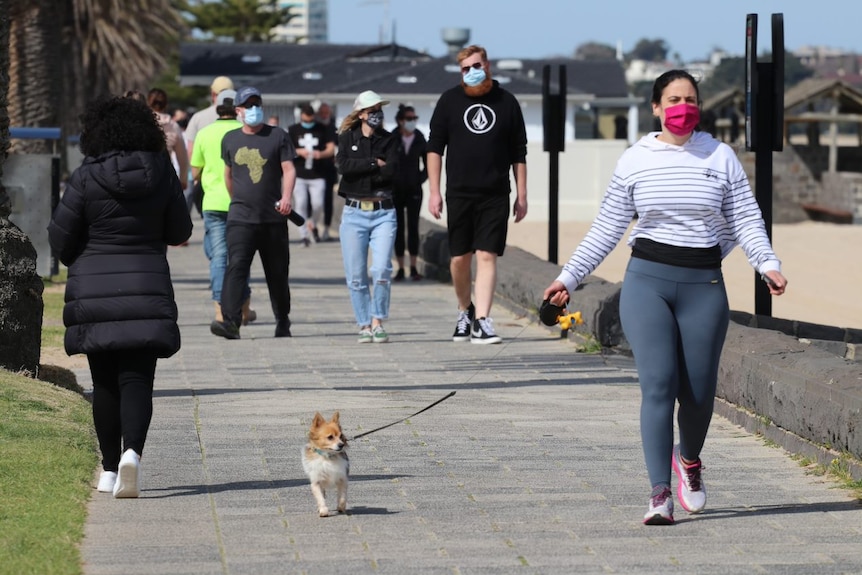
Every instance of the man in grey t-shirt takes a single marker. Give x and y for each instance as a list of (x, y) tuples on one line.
[(259, 174)]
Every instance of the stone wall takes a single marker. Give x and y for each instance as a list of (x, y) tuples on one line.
[(800, 176), (777, 377)]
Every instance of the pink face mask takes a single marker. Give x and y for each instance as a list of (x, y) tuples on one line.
[(681, 119)]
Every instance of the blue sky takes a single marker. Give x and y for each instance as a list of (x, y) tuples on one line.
[(557, 27)]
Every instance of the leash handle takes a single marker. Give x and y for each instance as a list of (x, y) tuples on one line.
[(442, 399)]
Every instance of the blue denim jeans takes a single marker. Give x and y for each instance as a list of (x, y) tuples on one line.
[(360, 232), (215, 248)]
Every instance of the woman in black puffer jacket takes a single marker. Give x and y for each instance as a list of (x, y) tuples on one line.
[(121, 209)]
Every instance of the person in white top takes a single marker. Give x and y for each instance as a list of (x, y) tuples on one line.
[(694, 204), (157, 100)]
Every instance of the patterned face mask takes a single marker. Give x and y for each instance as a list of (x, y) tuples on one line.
[(375, 119)]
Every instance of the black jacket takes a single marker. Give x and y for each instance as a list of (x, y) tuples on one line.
[(112, 227), (361, 177), (410, 174)]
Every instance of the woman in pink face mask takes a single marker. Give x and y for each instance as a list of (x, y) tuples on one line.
[(693, 204)]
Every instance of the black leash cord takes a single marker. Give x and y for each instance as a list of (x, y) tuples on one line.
[(442, 399)]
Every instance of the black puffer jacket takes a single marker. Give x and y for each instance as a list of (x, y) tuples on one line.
[(112, 227)]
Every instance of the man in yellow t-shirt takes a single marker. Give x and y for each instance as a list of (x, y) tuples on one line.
[(208, 168)]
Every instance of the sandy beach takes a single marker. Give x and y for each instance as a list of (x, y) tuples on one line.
[(819, 260)]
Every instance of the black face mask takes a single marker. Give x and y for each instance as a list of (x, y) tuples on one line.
[(375, 119)]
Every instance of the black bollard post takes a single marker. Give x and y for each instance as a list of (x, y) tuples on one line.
[(553, 124), (764, 127)]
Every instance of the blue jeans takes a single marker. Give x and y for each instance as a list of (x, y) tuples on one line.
[(360, 232), (215, 248)]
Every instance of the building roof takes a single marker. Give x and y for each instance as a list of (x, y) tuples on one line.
[(200, 62), (813, 89), (291, 70)]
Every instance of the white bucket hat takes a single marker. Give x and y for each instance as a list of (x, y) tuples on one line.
[(368, 99)]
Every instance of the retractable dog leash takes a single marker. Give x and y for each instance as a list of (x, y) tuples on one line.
[(426, 408)]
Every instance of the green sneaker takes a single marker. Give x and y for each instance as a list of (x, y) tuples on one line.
[(365, 336), (379, 334)]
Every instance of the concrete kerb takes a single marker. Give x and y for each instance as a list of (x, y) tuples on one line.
[(772, 381)]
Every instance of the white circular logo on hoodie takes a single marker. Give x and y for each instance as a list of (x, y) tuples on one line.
[(479, 118)]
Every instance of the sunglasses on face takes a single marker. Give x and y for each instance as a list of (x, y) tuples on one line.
[(410, 118), (475, 66)]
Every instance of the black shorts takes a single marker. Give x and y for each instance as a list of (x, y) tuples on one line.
[(477, 223)]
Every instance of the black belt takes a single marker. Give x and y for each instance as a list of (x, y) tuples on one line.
[(371, 205)]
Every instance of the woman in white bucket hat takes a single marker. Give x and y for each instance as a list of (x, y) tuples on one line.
[(367, 161)]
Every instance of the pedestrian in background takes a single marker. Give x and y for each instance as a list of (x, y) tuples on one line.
[(157, 100), (313, 143), (121, 209), (694, 204), (412, 173), (209, 169), (367, 160), (260, 176), (480, 127), (327, 166), (198, 120)]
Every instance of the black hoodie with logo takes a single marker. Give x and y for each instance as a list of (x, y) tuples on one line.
[(482, 137)]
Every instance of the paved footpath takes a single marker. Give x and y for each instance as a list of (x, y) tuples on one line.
[(534, 466)]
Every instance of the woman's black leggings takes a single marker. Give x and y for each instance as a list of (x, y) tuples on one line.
[(122, 401), (675, 319), (411, 201)]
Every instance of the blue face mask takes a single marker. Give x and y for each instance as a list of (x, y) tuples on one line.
[(475, 77), (307, 125), (253, 116)]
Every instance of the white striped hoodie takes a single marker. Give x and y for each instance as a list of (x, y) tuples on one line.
[(695, 195)]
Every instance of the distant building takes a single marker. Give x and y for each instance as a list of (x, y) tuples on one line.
[(599, 105), (308, 26)]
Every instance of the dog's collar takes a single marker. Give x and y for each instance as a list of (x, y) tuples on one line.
[(325, 453)]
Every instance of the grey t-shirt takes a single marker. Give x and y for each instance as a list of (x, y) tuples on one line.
[(255, 163)]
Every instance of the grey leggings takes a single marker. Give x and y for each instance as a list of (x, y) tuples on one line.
[(675, 319)]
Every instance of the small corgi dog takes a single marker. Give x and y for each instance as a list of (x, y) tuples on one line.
[(325, 461)]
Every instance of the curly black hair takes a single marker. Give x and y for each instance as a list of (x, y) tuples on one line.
[(120, 124)]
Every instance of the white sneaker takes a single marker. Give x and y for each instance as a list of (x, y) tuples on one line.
[(128, 483), (691, 491), (660, 510), (106, 482)]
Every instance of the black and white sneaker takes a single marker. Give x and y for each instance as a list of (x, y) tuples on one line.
[(483, 331), (465, 320)]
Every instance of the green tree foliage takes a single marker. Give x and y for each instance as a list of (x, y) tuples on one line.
[(595, 51), (649, 50), (239, 20), (730, 73)]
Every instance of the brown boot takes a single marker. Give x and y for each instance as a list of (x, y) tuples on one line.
[(218, 315), (248, 314)]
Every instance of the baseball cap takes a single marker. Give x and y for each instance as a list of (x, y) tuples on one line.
[(221, 83), (368, 99), (225, 95), (244, 93)]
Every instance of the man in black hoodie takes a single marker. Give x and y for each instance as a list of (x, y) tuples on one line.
[(482, 126)]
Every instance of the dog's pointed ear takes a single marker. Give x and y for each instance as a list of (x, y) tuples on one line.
[(318, 420), (335, 417)]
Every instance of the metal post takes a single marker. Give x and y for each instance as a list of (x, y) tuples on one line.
[(763, 173)]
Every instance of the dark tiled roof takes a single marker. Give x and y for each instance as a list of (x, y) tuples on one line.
[(210, 59), (602, 78), (390, 69)]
